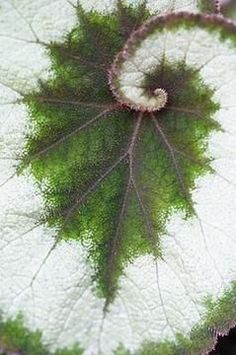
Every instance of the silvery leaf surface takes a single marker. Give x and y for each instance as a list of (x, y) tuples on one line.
[(117, 209)]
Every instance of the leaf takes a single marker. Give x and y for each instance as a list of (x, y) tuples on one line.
[(223, 7), (212, 6), (16, 339), (228, 8), (113, 177), (153, 6), (131, 189)]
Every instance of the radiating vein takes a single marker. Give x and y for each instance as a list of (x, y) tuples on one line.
[(72, 102), (113, 250), (162, 134), (162, 301), (25, 20), (93, 187), (185, 110), (12, 88), (76, 131), (181, 181), (15, 38), (148, 224)]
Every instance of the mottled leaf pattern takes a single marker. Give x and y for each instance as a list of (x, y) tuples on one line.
[(116, 220)]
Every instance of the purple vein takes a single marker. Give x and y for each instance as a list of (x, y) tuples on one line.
[(181, 181), (82, 61), (71, 102), (184, 110), (93, 187), (171, 150), (124, 204), (81, 199), (148, 224), (113, 250), (190, 157), (76, 131)]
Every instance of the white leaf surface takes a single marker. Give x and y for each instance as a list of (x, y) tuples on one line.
[(153, 5), (52, 286)]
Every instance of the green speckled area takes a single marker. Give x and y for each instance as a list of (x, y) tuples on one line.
[(112, 177), (17, 339), (208, 6)]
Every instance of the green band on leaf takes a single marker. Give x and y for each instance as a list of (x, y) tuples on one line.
[(113, 175)]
